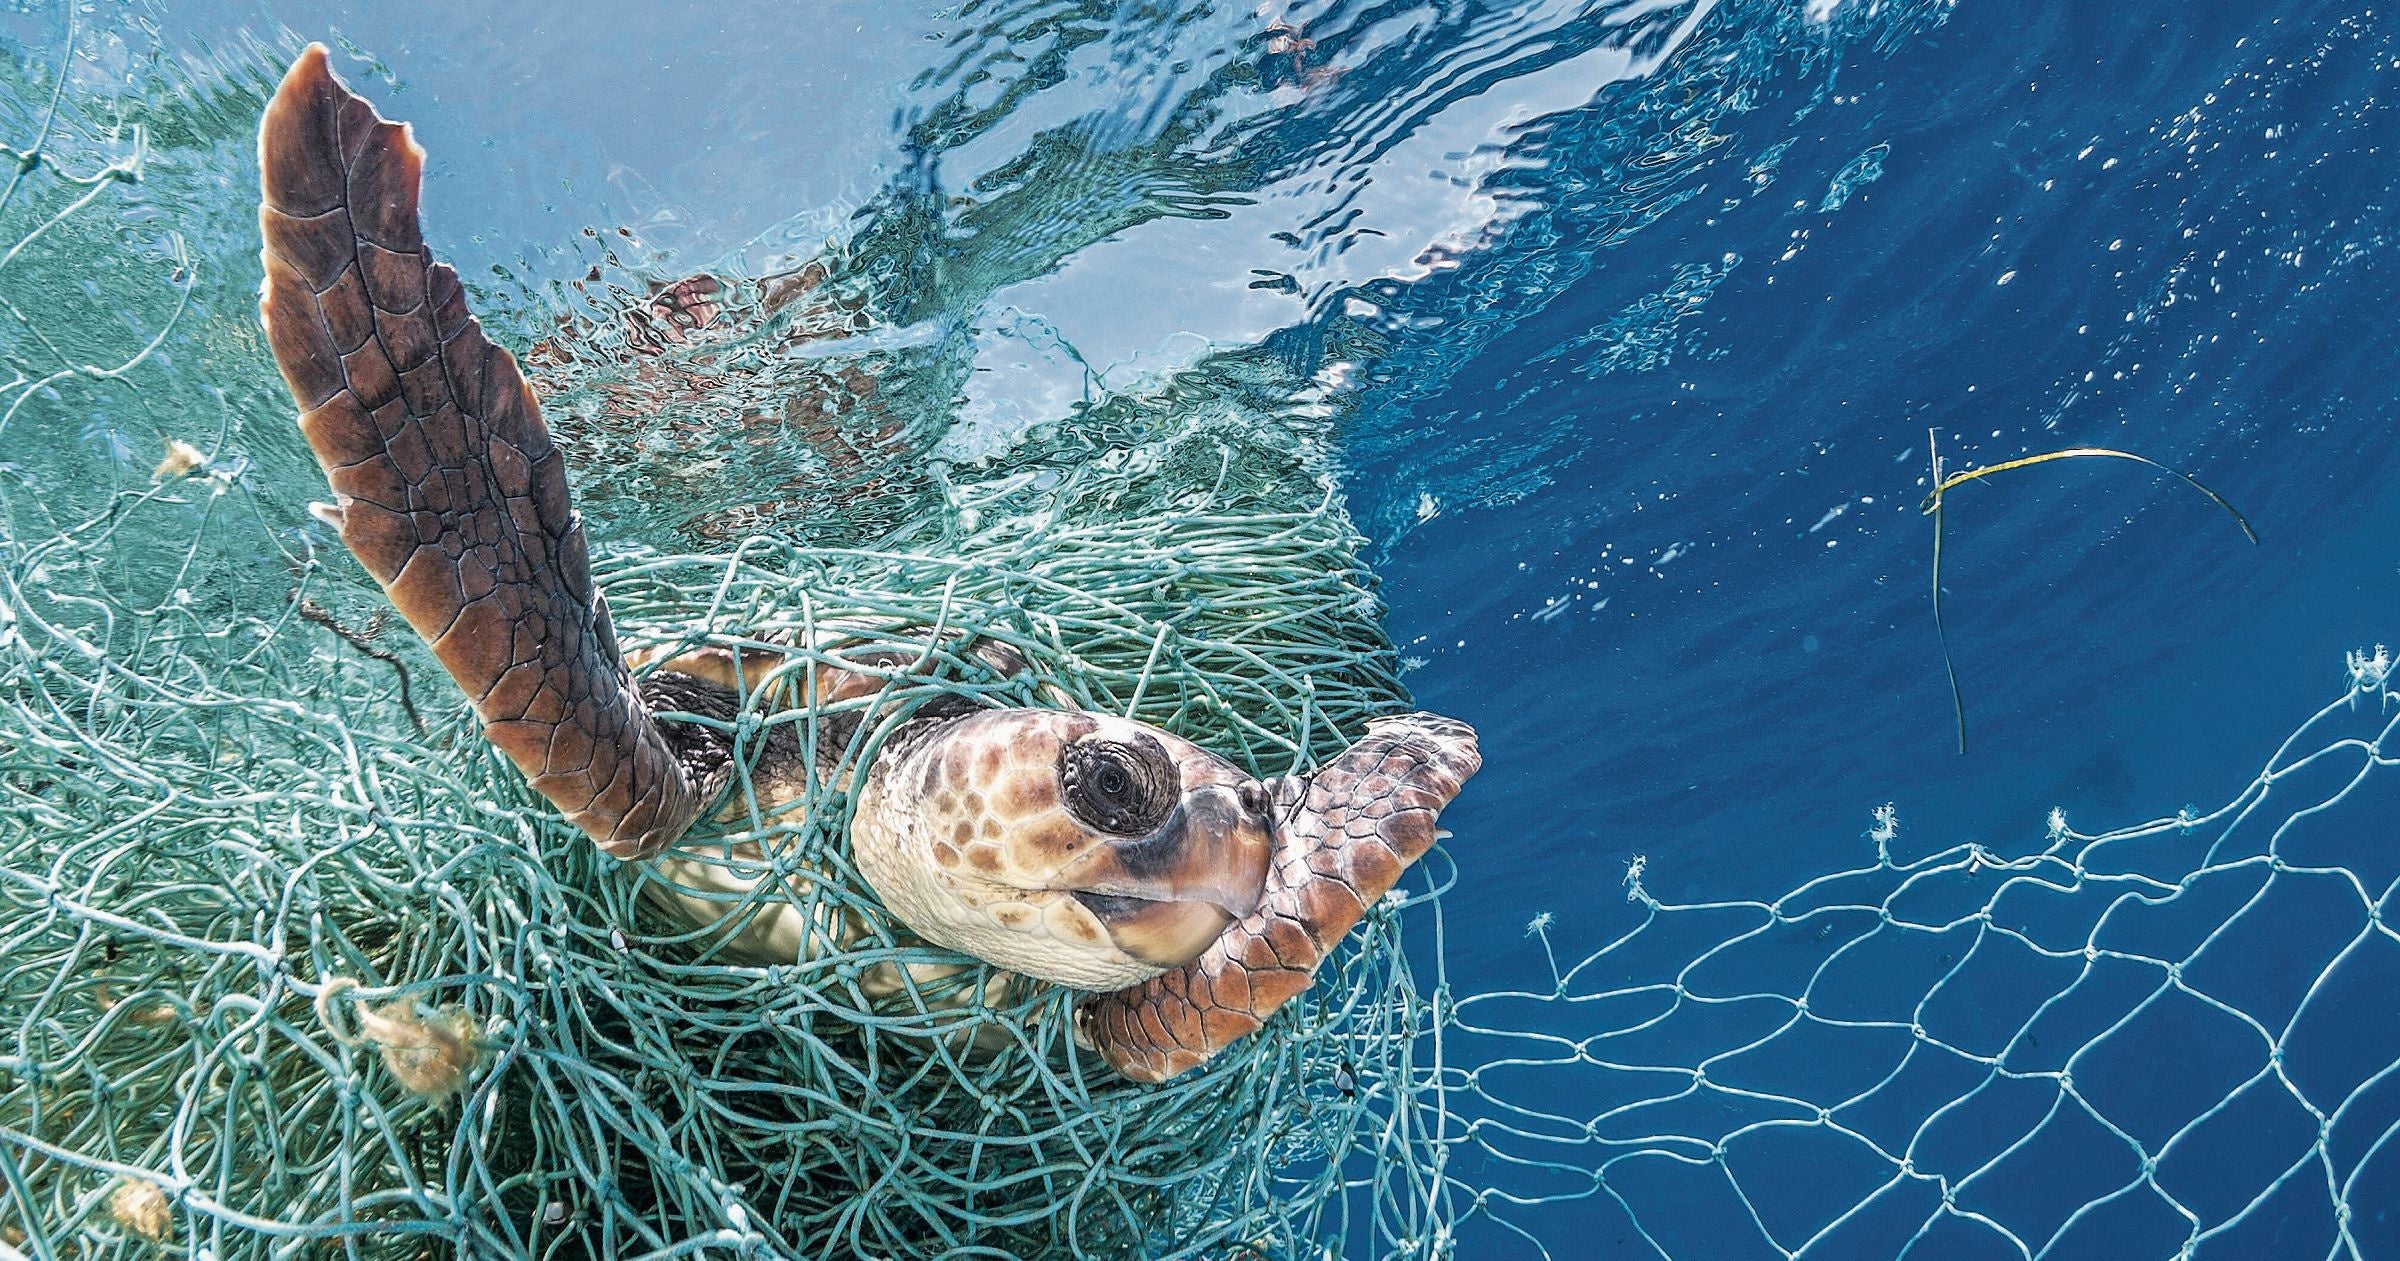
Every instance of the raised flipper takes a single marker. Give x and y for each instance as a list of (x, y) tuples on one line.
[(446, 484), (1343, 836)]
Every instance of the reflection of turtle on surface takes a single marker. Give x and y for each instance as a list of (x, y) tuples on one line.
[(709, 367), (1093, 851)]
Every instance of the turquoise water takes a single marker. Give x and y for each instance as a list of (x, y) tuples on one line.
[(1631, 321)]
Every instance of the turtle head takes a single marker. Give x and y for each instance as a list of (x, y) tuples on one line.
[(1344, 835), (1091, 851)]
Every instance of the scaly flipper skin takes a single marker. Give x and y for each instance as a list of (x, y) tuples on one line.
[(1343, 837), (447, 486)]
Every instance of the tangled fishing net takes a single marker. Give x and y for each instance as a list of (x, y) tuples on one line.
[(318, 977), (291, 965), (289, 961)]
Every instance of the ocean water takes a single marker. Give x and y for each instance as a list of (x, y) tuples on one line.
[(1637, 324)]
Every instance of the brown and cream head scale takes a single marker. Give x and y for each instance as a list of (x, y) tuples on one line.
[(1090, 851)]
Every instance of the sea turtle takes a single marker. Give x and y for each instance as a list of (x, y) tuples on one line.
[(1084, 849)]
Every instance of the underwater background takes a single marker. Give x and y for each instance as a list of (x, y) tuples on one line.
[(1632, 321)]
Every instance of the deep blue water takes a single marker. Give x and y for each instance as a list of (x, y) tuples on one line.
[(2163, 227), (1643, 313), (2157, 227)]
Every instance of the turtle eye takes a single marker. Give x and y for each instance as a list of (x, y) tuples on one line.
[(1124, 789)]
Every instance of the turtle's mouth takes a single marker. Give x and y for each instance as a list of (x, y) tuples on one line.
[(1344, 836), (1164, 934), (1165, 895)]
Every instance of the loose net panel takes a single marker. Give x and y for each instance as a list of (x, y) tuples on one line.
[(2180, 1039)]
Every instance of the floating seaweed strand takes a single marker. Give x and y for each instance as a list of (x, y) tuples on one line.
[(1943, 483)]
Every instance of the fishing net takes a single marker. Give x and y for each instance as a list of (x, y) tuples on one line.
[(204, 852), (2174, 1039), (290, 965)]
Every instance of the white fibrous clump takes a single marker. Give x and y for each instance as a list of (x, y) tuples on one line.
[(182, 460), (1887, 825), (432, 1056), (142, 1208), (2369, 671)]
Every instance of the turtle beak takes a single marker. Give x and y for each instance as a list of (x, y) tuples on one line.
[(1165, 896), (1344, 835)]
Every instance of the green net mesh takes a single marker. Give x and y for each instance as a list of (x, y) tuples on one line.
[(191, 859), (2173, 1039), (290, 966)]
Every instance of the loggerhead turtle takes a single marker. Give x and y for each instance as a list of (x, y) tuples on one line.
[(1088, 850)]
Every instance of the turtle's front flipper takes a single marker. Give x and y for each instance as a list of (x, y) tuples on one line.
[(446, 484)]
